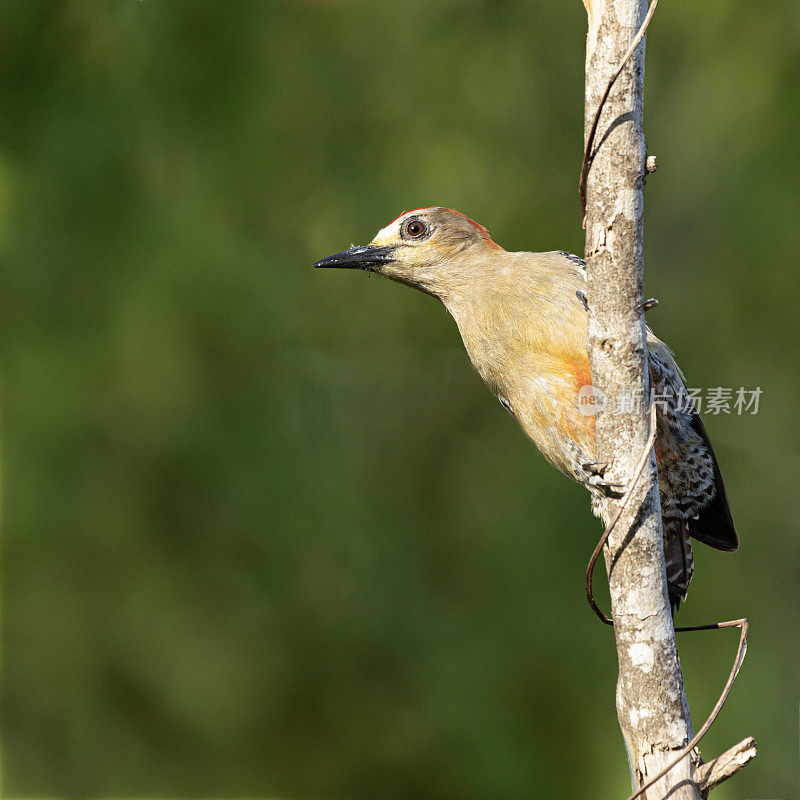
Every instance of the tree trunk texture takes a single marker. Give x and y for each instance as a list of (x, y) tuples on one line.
[(651, 703)]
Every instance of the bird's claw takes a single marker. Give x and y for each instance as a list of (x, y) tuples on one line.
[(595, 470), (615, 490), (645, 306), (596, 467)]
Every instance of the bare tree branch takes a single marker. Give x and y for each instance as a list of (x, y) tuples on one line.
[(651, 703), (588, 152)]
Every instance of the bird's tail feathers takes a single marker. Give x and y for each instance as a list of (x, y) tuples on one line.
[(678, 560)]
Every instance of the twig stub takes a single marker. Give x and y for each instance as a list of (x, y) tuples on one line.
[(709, 776)]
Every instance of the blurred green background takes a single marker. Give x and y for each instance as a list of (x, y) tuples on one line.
[(264, 531)]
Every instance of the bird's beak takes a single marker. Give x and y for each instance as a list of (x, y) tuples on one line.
[(366, 257)]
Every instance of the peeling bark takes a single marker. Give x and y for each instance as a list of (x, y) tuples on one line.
[(651, 703)]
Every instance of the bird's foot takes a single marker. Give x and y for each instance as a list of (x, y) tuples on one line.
[(595, 472), (645, 306), (596, 467)]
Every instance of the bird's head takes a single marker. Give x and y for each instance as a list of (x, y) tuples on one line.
[(436, 250)]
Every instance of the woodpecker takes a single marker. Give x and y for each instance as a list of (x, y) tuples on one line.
[(524, 326)]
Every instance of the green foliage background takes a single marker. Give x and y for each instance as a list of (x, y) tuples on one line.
[(264, 531)]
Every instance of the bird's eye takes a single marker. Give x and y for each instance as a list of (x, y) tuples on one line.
[(415, 228)]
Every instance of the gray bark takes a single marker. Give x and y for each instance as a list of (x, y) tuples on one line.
[(651, 703)]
